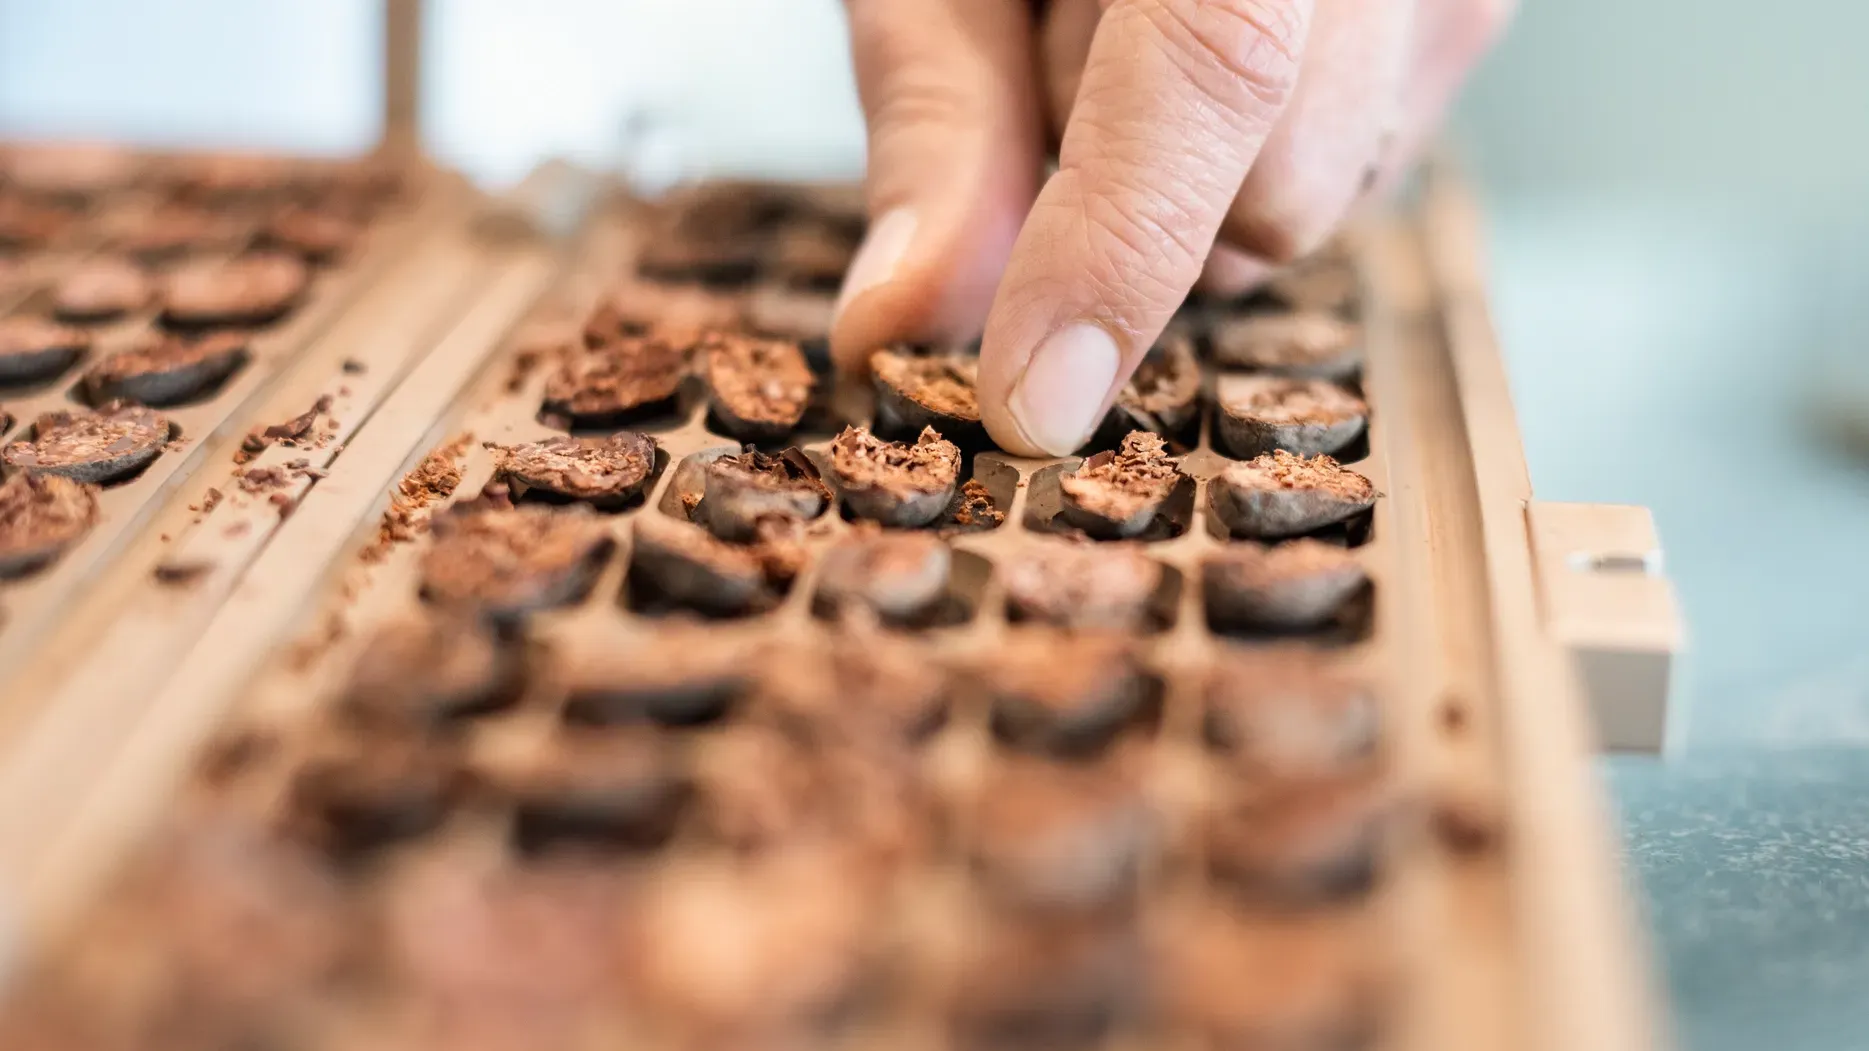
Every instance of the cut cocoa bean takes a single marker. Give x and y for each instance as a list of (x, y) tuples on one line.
[(432, 673), (1301, 839), (101, 290), (507, 562), (167, 370), (897, 576), (1307, 345), (1066, 695), (1302, 585), (1263, 414), (1065, 837), (607, 385), (40, 517), (914, 392), (758, 389), (1164, 394), (33, 348), (744, 489), (248, 292), (604, 472), (1281, 495), (1284, 711), (615, 789), (684, 565), (1117, 495), (894, 483), (1080, 586), (105, 445)]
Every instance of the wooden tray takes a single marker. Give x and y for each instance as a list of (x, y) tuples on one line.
[(1527, 942)]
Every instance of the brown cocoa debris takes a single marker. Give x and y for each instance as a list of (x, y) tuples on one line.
[(1080, 586), (1066, 695), (620, 789), (1296, 586), (180, 574), (41, 516), (898, 576), (1261, 414), (1057, 836), (786, 313), (1312, 345), (431, 673), (895, 483), (603, 385), (1301, 838), (758, 389), (164, 370), (1279, 495), (1117, 495), (607, 472), (507, 561), (1284, 711), (1164, 394), (915, 391), (210, 500), (743, 489), (35, 348), (761, 791), (975, 508), (98, 446), (435, 478), (687, 566), (246, 292), (101, 290), (354, 367), (810, 255), (260, 479), (284, 502), (1024, 979)]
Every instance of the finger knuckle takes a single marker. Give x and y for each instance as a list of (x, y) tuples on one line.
[(1254, 43), (1275, 239)]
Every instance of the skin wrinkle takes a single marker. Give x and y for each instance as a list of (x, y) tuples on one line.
[(1207, 50)]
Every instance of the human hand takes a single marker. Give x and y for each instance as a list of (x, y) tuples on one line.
[(1257, 122)]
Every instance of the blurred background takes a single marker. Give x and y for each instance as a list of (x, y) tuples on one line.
[(1679, 196)]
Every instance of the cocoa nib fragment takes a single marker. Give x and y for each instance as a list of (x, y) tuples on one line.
[(605, 472), (435, 478), (40, 517), (743, 489), (606, 384), (105, 445), (895, 483), (758, 389), (974, 508), (1117, 495)]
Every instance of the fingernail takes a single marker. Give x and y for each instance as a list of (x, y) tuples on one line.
[(1059, 398), (875, 263)]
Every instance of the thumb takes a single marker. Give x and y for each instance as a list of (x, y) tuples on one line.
[(951, 105), (1177, 99)]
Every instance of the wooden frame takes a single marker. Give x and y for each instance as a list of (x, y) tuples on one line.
[(1531, 946)]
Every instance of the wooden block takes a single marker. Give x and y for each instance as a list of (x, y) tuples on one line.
[(1604, 598)]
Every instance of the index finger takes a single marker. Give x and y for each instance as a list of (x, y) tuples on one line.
[(1177, 99)]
